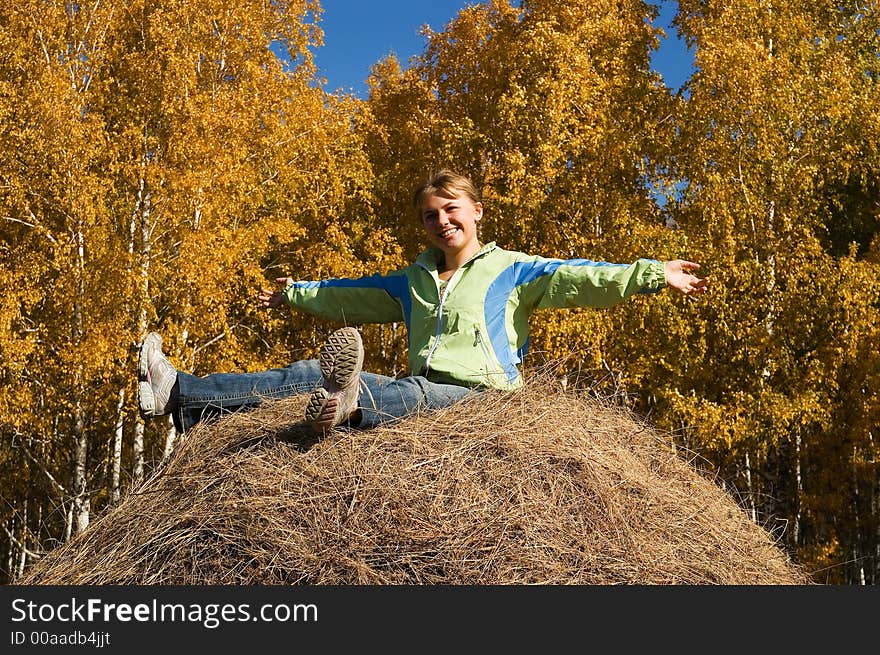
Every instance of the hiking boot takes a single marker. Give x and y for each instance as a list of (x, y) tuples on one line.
[(342, 357), (156, 378)]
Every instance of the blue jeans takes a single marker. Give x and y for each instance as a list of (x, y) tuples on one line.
[(382, 399)]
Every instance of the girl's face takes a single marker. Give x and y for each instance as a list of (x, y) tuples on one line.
[(451, 224)]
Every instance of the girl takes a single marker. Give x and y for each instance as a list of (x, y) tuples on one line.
[(466, 306)]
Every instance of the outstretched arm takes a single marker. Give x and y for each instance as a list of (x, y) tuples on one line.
[(679, 276), (371, 299), (271, 298)]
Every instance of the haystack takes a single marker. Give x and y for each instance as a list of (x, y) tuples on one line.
[(538, 486)]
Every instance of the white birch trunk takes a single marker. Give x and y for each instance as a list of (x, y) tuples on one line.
[(799, 489), (22, 556), (68, 522), (81, 502), (875, 511), (145, 257), (116, 458), (752, 509), (10, 553), (857, 546), (170, 438), (63, 493)]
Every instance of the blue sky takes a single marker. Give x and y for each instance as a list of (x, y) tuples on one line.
[(357, 34)]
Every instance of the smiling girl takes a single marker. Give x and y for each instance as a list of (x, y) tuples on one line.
[(466, 307)]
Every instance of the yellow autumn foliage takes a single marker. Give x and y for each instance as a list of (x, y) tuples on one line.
[(159, 163)]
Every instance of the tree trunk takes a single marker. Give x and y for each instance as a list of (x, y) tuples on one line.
[(875, 515), (143, 206), (116, 457), (137, 454), (22, 555), (170, 438), (751, 492), (81, 503), (857, 558), (799, 490), (10, 551), (68, 522)]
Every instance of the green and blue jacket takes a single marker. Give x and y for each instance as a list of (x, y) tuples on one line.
[(474, 330)]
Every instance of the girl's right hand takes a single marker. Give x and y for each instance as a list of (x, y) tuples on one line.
[(270, 298)]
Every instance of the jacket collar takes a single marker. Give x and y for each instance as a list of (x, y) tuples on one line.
[(431, 255)]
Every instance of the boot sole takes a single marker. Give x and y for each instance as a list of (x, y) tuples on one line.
[(321, 410), (341, 360)]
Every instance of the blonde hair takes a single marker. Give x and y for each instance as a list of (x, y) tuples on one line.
[(446, 184)]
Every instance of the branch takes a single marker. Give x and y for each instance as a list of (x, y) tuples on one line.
[(99, 40), (40, 228), (254, 332), (214, 340), (21, 546), (89, 23), (40, 37), (741, 178), (60, 489)]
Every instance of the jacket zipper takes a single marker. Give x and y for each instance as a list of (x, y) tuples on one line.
[(439, 322), (443, 295)]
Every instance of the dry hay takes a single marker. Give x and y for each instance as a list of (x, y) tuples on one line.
[(533, 487)]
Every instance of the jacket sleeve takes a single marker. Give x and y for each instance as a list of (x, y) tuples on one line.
[(583, 283), (373, 299)]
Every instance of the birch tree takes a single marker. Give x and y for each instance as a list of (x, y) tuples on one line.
[(160, 162)]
